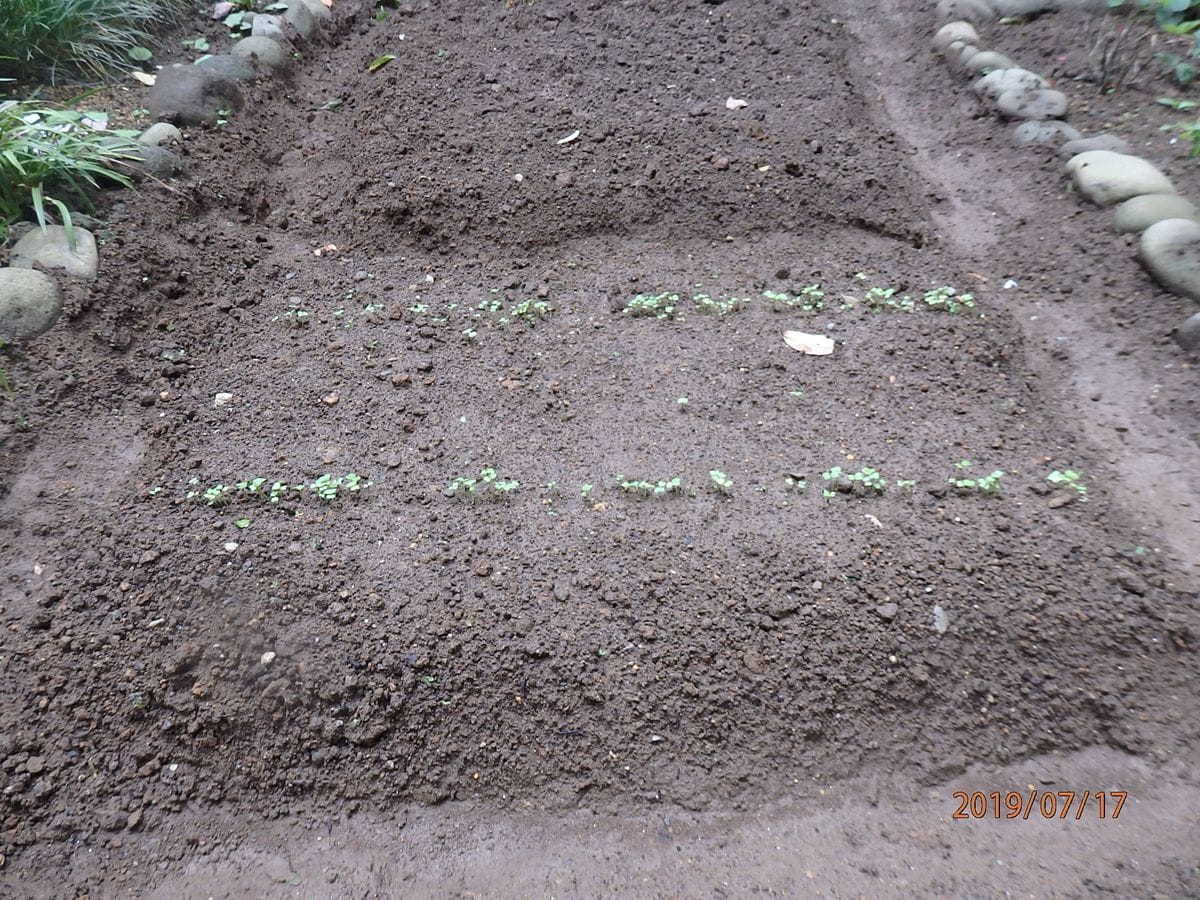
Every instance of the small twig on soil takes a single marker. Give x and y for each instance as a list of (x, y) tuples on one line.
[(1118, 51)]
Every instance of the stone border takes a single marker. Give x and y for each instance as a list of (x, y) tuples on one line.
[(1102, 167), (200, 93)]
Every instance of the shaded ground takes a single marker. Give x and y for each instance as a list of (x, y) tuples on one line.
[(172, 669)]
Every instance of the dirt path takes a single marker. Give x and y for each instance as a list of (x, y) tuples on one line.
[(175, 673)]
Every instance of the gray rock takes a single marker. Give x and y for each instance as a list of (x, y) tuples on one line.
[(301, 19), (52, 248), (1106, 178), (1095, 142), (1187, 335), (1027, 7), (995, 83), (192, 95), (955, 31), (262, 50), (1170, 251), (968, 10), (1033, 104), (150, 161), (1139, 213), (30, 304), (988, 60), (229, 66), (959, 54), (161, 133), (318, 9), (269, 27), (1050, 132)]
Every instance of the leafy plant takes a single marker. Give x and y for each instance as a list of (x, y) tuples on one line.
[(486, 485), (1069, 479), (59, 40), (721, 482), (294, 316), (45, 148)]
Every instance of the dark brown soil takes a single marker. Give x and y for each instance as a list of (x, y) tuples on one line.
[(704, 651)]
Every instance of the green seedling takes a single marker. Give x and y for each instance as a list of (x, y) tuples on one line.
[(657, 306), (486, 485), (984, 484), (294, 316), (810, 299), (947, 299), (1069, 479), (721, 482), (653, 489), (530, 311), (865, 480), (796, 481), (885, 300), (585, 491), (711, 307)]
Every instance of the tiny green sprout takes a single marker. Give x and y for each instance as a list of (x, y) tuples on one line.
[(906, 484), (419, 309), (832, 474), (644, 488), (884, 299), (585, 491), (1069, 479), (470, 334), (1141, 551), (797, 394), (861, 276), (983, 484), (154, 491), (795, 481), (217, 495), (658, 306), (487, 484), (947, 299), (530, 311), (720, 481), (814, 298), (711, 307), (242, 523), (682, 402)]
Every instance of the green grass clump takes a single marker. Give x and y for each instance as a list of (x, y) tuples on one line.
[(64, 40), (44, 148)]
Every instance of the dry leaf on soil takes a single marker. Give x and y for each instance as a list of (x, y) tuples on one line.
[(810, 344)]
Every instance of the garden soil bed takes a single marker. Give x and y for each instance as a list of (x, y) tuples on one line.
[(174, 672)]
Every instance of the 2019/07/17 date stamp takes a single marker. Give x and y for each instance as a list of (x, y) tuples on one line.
[(1043, 804)]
